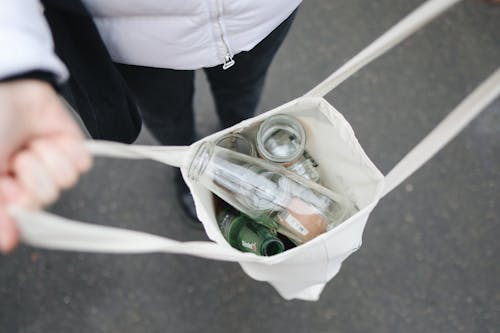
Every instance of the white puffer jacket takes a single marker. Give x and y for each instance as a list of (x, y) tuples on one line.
[(178, 34)]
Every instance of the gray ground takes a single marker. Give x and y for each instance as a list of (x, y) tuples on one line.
[(429, 262)]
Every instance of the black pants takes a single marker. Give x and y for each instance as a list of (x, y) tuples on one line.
[(165, 96)]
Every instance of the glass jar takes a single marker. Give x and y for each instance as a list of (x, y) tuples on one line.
[(269, 194), (237, 143), (282, 139)]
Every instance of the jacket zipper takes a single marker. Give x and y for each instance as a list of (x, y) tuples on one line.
[(228, 57)]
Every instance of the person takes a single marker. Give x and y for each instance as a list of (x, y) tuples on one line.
[(118, 63)]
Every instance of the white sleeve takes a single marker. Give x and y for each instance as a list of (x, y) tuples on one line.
[(25, 40)]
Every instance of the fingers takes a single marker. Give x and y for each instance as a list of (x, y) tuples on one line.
[(62, 170), (29, 170), (44, 169), (36, 176), (76, 152), (41, 150), (11, 192), (9, 235), (64, 159)]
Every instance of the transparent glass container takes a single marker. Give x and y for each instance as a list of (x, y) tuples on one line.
[(237, 143), (269, 194), (282, 139)]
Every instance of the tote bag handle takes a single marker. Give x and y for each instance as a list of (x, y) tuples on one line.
[(396, 34), (451, 125), (444, 132), (49, 231)]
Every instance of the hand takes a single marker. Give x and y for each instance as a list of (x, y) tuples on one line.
[(41, 151)]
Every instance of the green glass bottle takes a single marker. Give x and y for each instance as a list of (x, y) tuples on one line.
[(246, 235)]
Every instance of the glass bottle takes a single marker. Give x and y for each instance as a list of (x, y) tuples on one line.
[(246, 235), (269, 194), (282, 139)]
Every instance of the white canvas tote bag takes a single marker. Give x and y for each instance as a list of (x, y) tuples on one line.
[(301, 272)]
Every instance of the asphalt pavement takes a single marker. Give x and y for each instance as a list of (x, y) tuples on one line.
[(429, 260)]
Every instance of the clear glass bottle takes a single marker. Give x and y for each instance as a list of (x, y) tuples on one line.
[(269, 194), (282, 139)]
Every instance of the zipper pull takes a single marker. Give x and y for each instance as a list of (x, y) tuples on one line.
[(228, 62)]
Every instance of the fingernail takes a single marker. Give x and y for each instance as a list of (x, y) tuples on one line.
[(85, 161), (9, 235), (4, 241)]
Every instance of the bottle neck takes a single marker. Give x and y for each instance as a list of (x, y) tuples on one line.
[(200, 160), (272, 246)]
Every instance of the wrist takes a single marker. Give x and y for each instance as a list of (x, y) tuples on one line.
[(39, 75)]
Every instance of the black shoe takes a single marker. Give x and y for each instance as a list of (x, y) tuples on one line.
[(186, 200)]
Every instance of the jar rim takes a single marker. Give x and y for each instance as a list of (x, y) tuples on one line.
[(283, 122), (244, 140)]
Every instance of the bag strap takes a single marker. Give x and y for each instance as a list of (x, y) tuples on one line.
[(170, 155), (49, 231), (403, 29), (451, 125), (445, 131)]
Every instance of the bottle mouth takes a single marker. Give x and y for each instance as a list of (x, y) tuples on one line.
[(281, 139), (200, 159), (236, 142), (270, 247)]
